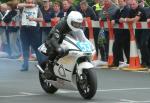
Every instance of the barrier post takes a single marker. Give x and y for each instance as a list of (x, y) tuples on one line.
[(134, 63), (91, 35), (44, 24), (54, 21), (111, 41)]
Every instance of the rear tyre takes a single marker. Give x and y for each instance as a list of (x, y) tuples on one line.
[(47, 86)]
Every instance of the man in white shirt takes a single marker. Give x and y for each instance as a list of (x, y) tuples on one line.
[(30, 35)]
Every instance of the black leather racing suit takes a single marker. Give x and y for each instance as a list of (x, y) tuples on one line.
[(55, 38)]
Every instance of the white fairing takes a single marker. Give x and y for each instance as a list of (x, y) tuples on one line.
[(42, 48), (84, 65), (79, 46)]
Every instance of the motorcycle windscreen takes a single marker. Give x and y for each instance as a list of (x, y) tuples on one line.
[(82, 42)]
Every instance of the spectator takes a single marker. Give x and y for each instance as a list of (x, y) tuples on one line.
[(99, 34), (122, 36), (97, 7), (3, 41), (148, 31), (108, 11), (31, 15), (67, 7), (46, 11), (136, 14), (128, 2), (76, 6), (142, 3), (70, 1), (87, 11), (14, 34), (57, 12)]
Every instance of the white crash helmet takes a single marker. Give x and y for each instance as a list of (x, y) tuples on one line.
[(74, 20)]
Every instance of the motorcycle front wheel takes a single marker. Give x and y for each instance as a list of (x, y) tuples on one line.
[(47, 86), (87, 84)]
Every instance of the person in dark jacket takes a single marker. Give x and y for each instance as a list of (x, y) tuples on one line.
[(3, 38), (57, 34), (14, 38), (107, 13), (57, 12), (88, 11), (67, 7), (46, 12), (136, 14), (122, 36), (97, 7), (12, 33), (147, 38)]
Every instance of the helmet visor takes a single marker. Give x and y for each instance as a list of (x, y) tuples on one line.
[(76, 24)]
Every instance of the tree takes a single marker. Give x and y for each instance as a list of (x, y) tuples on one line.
[(4, 1), (148, 3)]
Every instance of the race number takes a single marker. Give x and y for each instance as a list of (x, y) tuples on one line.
[(84, 46)]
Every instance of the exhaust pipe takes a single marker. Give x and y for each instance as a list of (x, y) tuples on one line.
[(39, 68)]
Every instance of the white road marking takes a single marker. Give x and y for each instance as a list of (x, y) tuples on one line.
[(133, 101), (127, 100), (27, 93), (21, 94), (68, 91), (124, 89), (113, 90), (10, 96), (141, 102), (108, 90)]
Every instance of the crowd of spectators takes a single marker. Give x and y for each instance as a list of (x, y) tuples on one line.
[(14, 40)]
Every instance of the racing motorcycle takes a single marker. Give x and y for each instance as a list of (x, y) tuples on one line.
[(73, 71)]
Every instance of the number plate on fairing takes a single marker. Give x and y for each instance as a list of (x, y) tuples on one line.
[(84, 46)]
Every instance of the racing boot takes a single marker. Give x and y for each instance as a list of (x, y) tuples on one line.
[(49, 73)]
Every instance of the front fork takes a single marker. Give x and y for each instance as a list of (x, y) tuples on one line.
[(81, 76), (83, 65), (80, 67)]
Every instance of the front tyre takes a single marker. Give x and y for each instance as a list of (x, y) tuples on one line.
[(87, 83)]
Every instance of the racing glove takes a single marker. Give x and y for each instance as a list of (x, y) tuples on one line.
[(62, 52)]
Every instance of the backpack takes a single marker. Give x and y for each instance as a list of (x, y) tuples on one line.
[(101, 38)]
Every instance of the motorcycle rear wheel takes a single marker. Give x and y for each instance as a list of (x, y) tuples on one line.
[(88, 86), (47, 86)]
